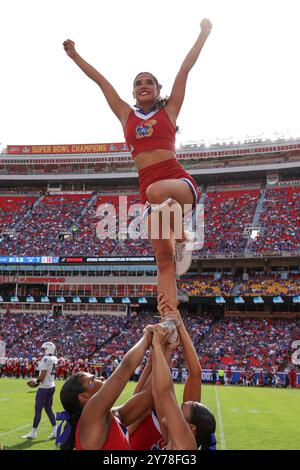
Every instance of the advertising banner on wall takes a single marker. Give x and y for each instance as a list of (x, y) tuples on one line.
[(67, 148)]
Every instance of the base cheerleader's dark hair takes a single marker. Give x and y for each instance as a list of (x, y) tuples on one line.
[(205, 423), (69, 418)]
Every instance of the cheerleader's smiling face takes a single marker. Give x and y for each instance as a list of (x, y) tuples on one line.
[(145, 89)]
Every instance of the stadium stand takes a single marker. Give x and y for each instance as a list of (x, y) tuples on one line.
[(13, 209), (245, 342), (279, 221), (263, 285), (41, 226), (37, 221), (227, 216), (240, 343), (207, 286)]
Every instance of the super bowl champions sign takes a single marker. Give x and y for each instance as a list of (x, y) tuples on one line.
[(67, 148)]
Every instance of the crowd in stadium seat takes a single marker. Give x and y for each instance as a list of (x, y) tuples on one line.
[(86, 239), (197, 327), (279, 221), (270, 285), (41, 227), (248, 342), (13, 209), (263, 285), (76, 336), (83, 240), (239, 343), (207, 286), (227, 215)]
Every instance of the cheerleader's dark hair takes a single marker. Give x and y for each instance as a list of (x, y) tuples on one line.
[(205, 423), (66, 431)]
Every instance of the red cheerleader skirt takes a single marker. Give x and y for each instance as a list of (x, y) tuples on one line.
[(168, 169)]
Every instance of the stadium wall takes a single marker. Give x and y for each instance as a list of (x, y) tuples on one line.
[(236, 375)]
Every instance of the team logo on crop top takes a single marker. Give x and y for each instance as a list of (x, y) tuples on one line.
[(145, 129)]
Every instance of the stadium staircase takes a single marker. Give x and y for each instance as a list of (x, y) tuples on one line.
[(86, 208), (236, 289), (206, 335), (38, 201), (256, 217), (28, 213), (117, 247), (76, 221)]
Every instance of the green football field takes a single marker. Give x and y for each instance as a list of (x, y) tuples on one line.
[(247, 418)]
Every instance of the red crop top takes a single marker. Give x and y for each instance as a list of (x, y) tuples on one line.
[(149, 132), (147, 434), (115, 440)]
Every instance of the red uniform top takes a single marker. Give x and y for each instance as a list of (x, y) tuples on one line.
[(115, 440), (149, 132), (147, 434)]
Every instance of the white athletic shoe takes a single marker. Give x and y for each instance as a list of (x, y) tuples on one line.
[(183, 253), (52, 435), (30, 435), (170, 324)]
